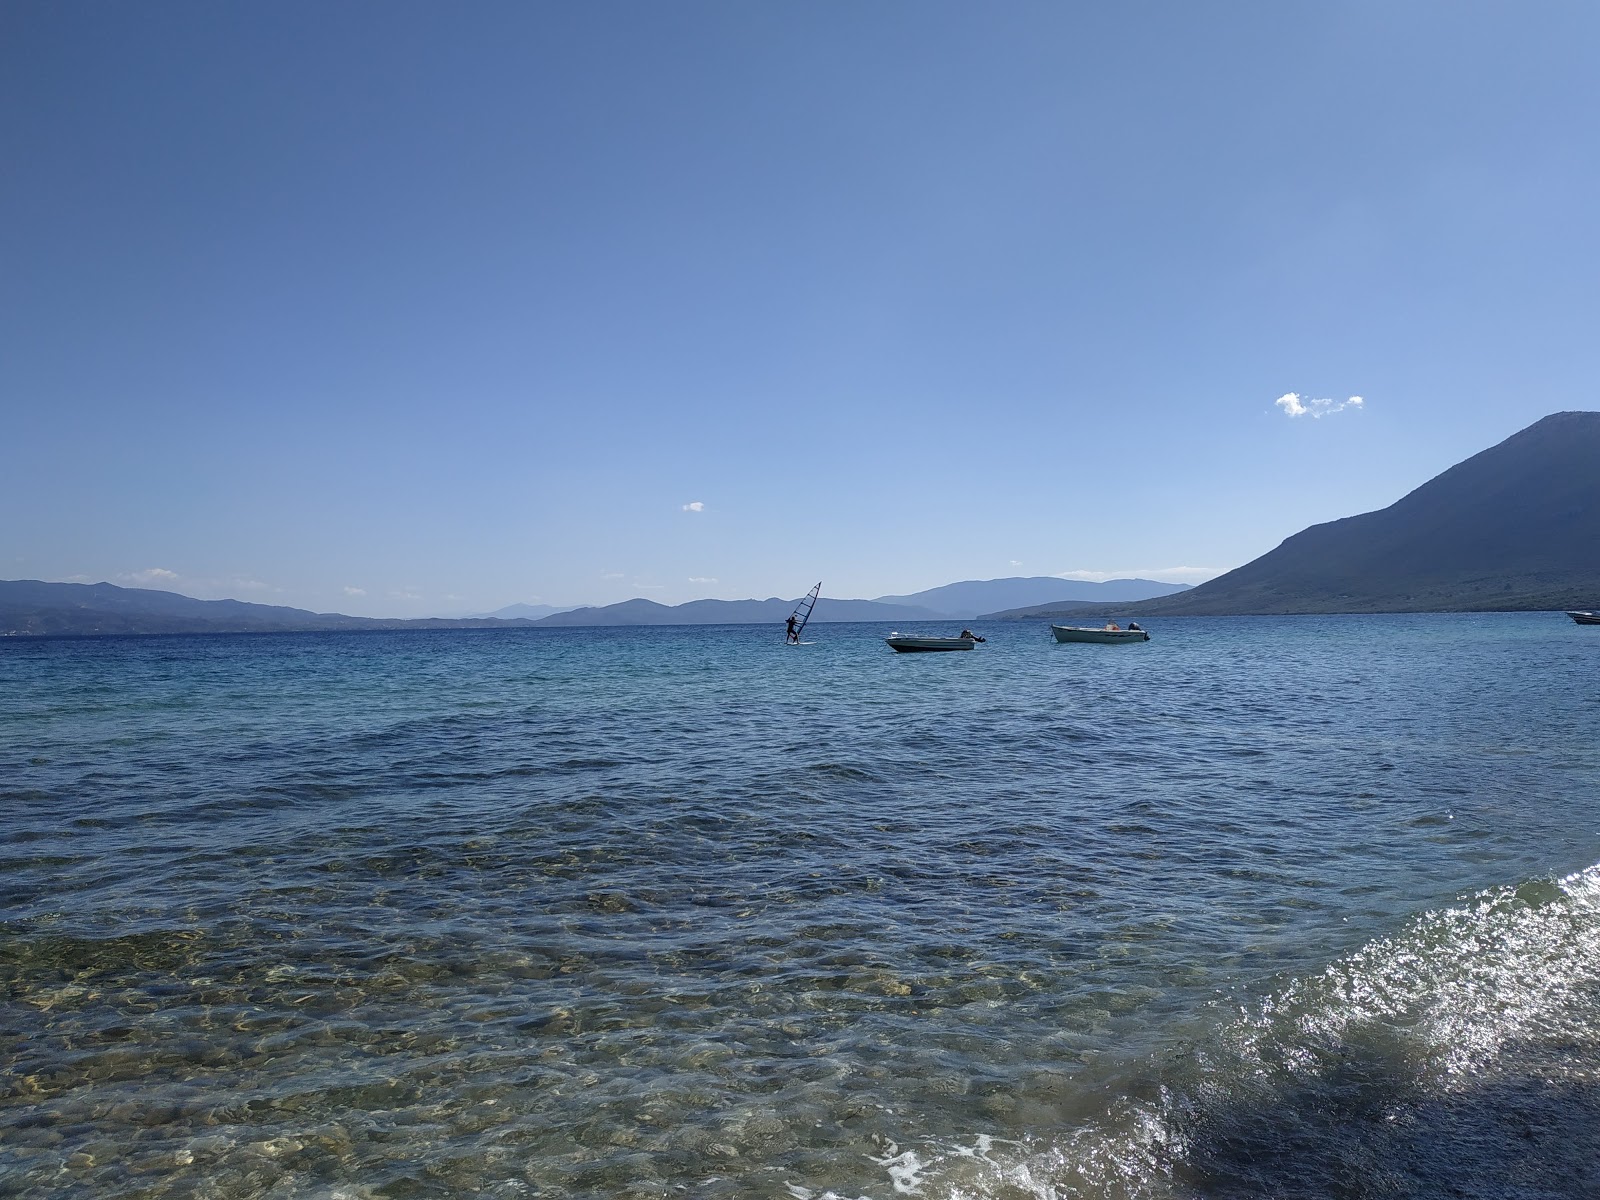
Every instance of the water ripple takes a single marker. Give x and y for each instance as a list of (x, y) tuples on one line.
[(677, 912)]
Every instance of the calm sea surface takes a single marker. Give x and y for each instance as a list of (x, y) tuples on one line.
[(1299, 906)]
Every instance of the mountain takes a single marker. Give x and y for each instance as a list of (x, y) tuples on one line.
[(738, 612), (953, 602), (1061, 608), (976, 597), (1514, 527), (32, 607), (526, 612), (29, 606)]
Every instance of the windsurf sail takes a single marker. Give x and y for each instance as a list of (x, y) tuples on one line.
[(802, 614)]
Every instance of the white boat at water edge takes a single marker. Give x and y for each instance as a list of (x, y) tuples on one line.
[(1585, 618), (910, 642), (1105, 633)]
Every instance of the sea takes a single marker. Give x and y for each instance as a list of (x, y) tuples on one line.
[(1262, 907)]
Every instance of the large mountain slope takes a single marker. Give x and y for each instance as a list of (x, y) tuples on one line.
[(1514, 527)]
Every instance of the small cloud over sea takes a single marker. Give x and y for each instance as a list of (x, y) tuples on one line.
[(1294, 405), (695, 506)]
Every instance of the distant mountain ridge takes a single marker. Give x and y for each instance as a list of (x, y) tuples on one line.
[(738, 612), (1513, 527), (31, 606), (1516, 526), (527, 612), (952, 602), (1060, 608), (976, 597)]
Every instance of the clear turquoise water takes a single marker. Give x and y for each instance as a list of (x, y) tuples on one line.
[(1265, 906)]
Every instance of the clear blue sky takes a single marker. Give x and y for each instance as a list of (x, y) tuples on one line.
[(400, 308)]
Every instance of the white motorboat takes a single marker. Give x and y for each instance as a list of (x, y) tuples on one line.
[(908, 642), (1105, 633)]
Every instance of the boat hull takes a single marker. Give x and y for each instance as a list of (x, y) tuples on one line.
[(1585, 618), (907, 644), (1073, 633)]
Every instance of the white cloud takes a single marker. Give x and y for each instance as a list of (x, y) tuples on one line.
[(253, 585), (1016, 562), (613, 574), (1294, 406), (701, 579), (695, 506), (355, 591), (151, 575)]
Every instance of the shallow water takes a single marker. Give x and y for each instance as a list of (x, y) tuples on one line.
[(1263, 906)]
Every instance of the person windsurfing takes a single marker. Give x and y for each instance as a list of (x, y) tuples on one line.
[(796, 624)]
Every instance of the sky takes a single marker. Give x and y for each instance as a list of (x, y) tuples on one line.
[(404, 309)]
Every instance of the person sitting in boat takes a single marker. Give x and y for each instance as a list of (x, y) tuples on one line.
[(1113, 627), (1133, 627), (967, 633)]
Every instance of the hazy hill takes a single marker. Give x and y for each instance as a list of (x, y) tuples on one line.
[(1511, 528), (738, 612), (953, 602), (29, 606), (1514, 527), (1064, 608), (528, 612), (977, 596)]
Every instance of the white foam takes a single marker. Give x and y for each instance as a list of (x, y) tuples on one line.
[(1457, 985), (905, 1170), (1437, 1003)]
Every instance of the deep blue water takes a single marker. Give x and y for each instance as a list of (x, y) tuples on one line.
[(1264, 906)]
